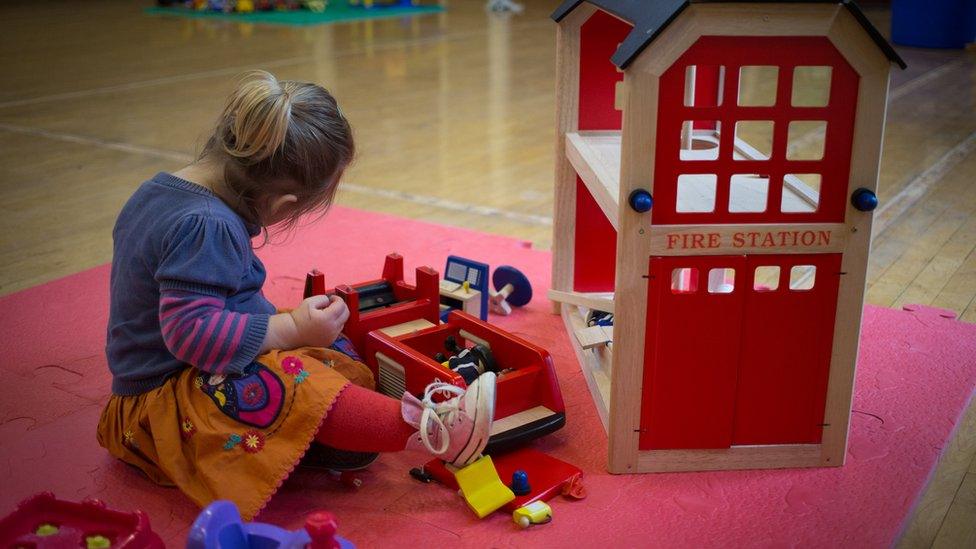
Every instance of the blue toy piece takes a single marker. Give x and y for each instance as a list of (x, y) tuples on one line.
[(599, 318), (521, 292), (864, 200), (640, 200), (219, 526), (520, 483), (460, 270)]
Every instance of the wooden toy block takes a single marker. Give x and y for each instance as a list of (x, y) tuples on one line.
[(599, 302), (717, 165), (594, 336)]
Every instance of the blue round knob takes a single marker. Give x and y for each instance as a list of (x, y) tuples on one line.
[(641, 201), (520, 483), (864, 199)]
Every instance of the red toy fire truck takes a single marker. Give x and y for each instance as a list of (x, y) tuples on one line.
[(396, 329)]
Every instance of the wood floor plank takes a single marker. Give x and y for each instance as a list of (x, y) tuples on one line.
[(943, 215), (969, 315), (932, 510), (959, 528), (960, 289), (942, 267)]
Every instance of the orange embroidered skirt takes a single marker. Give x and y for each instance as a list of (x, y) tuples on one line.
[(235, 437)]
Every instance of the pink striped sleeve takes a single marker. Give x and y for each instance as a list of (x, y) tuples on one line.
[(199, 331)]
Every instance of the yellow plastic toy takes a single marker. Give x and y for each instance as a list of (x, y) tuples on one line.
[(481, 487), (537, 512)]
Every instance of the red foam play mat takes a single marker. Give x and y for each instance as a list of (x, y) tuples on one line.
[(916, 372)]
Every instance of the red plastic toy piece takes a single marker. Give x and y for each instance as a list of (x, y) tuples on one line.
[(349, 479), (574, 489), (314, 284), (400, 302), (44, 521), (548, 476), (322, 527)]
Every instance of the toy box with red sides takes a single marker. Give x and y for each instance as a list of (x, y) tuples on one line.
[(528, 402), (396, 328), (386, 302), (46, 522)]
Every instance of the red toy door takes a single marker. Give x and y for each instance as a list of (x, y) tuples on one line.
[(691, 353), (784, 359)]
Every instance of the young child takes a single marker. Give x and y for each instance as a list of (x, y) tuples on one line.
[(214, 392)]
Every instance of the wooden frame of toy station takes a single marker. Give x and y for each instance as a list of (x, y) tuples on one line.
[(716, 165)]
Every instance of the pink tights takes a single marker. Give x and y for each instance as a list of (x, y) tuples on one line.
[(365, 421)]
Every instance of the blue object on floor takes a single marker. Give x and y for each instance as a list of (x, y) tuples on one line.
[(520, 483), (220, 526), (521, 287)]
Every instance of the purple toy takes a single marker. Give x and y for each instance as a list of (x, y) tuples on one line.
[(219, 526)]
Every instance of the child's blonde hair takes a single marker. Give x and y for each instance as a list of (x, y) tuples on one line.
[(281, 137)]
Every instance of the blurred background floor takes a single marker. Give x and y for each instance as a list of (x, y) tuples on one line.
[(454, 116)]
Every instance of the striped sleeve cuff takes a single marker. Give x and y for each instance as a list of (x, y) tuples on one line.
[(255, 330)]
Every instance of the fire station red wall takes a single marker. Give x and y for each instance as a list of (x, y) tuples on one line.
[(596, 240), (595, 250)]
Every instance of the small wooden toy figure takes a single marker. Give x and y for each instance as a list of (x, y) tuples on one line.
[(716, 172), (469, 363)]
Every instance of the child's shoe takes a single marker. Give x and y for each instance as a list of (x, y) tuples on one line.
[(457, 429), (320, 456)]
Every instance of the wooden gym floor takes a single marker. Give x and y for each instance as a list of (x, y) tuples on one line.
[(454, 116)]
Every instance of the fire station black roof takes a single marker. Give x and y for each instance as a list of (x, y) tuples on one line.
[(651, 17)]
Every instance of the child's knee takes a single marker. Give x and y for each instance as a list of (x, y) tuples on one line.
[(355, 372)]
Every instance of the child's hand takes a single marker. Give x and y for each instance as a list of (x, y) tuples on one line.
[(319, 320)]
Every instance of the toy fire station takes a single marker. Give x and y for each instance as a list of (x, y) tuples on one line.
[(715, 179)]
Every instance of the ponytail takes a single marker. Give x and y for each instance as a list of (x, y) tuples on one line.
[(281, 137), (257, 116)]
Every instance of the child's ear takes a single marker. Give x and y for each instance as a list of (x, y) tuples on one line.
[(281, 202)]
